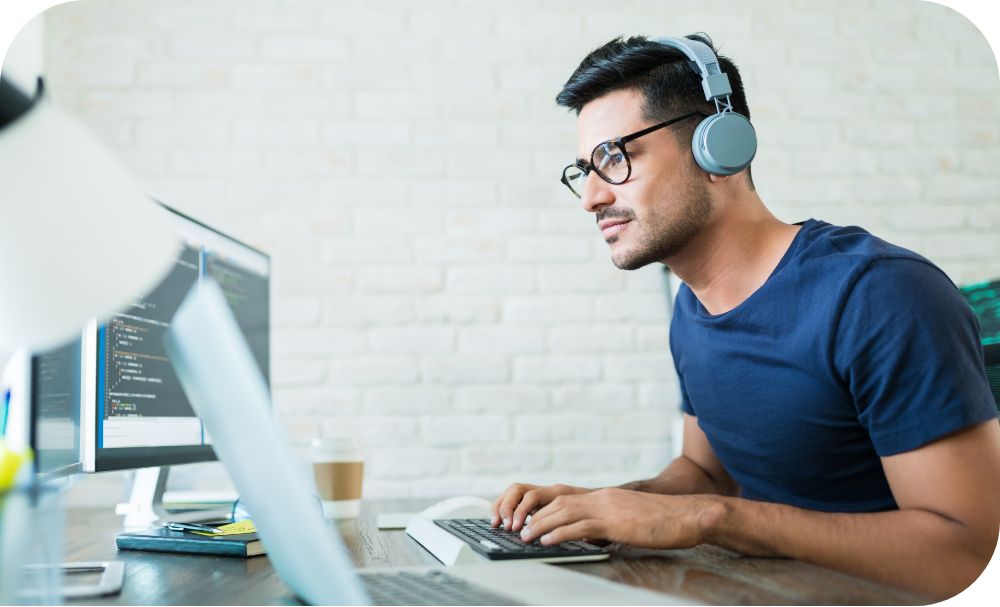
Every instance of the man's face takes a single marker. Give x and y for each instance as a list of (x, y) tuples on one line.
[(662, 205)]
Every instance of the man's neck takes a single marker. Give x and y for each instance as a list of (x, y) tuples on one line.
[(734, 255)]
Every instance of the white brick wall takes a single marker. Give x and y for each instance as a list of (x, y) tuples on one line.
[(435, 289)]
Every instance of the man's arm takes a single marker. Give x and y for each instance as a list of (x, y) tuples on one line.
[(697, 470), (936, 544)]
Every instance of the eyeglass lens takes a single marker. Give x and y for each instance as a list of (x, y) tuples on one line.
[(574, 177), (609, 162)]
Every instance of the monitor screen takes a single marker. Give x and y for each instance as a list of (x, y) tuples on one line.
[(135, 412), (55, 411), (984, 299)]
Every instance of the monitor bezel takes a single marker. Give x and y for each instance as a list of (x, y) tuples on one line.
[(91, 460)]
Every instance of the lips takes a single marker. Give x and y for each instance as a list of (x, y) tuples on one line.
[(611, 227)]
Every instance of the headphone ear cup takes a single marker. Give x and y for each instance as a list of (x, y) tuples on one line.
[(724, 144)]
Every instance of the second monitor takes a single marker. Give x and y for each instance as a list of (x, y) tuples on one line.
[(135, 413)]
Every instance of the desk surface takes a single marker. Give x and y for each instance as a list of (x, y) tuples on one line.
[(705, 573)]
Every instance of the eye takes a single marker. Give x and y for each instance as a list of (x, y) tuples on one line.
[(608, 156)]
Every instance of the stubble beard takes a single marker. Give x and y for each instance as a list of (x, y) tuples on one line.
[(663, 235)]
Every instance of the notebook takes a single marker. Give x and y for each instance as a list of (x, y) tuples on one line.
[(161, 539)]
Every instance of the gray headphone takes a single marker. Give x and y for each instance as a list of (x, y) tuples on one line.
[(725, 142)]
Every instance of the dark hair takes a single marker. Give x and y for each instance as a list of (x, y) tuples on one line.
[(670, 84)]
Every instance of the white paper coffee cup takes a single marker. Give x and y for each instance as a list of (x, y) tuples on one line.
[(338, 470)]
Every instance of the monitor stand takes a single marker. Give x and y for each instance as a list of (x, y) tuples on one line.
[(145, 506)]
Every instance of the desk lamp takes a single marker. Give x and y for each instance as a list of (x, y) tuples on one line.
[(59, 190)]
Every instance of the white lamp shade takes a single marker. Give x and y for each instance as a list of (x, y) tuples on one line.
[(78, 237)]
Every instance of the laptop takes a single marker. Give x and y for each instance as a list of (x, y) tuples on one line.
[(221, 380)]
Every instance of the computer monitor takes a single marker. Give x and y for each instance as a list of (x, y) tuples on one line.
[(135, 413), (55, 411), (111, 401)]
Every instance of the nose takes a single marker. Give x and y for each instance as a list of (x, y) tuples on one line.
[(596, 194)]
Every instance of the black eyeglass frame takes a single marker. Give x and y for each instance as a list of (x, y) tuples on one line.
[(620, 143)]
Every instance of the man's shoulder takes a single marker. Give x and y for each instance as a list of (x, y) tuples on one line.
[(850, 246), (847, 258), (828, 265)]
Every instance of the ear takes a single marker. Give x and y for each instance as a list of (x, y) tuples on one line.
[(718, 178)]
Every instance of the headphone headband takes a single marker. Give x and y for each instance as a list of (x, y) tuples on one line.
[(714, 81), (724, 143)]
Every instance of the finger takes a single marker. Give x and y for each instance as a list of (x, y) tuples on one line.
[(529, 502), (537, 517), (556, 514), (495, 510), (496, 517), (586, 528), (509, 502), (556, 504)]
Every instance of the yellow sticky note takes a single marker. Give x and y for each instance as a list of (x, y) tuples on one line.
[(10, 464), (245, 526)]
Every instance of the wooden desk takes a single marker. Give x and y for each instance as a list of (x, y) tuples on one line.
[(705, 573)]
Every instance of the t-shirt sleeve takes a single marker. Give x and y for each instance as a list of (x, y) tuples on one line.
[(685, 401), (907, 347)]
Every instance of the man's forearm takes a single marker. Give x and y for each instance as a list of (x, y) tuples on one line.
[(918, 550), (682, 477)]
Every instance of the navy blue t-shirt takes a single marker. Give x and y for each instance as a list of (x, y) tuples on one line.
[(853, 349)]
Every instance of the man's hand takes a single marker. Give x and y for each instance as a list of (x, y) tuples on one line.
[(619, 515), (521, 499)]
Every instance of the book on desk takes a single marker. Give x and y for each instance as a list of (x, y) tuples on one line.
[(161, 539)]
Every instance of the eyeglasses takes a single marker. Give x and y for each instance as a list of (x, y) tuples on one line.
[(610, 160)]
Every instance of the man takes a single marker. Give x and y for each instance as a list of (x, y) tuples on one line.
[(835, 405)]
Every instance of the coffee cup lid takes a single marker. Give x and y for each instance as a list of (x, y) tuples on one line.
[(335, 443)]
